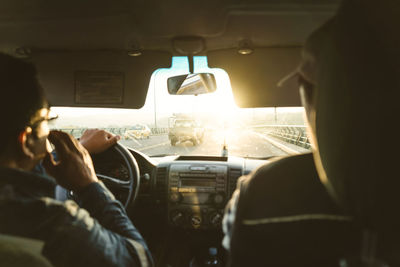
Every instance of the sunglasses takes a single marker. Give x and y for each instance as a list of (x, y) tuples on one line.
[(49, 118)]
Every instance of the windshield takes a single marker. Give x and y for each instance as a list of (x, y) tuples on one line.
[(204, 125)]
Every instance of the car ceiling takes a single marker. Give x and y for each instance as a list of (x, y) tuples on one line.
[(43, 31)]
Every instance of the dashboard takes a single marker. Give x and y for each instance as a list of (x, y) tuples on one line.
[(196, 191), (192, 190)]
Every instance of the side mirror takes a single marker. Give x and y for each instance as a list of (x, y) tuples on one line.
[(192, 84)]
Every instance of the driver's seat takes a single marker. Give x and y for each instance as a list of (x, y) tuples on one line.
[(21, 252)]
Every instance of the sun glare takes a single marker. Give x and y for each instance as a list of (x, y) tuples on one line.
[(219, 104)]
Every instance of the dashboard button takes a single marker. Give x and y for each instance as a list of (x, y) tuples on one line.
[(196, 221), (175, 197), (177, 217), (216, 219), (218, 199)]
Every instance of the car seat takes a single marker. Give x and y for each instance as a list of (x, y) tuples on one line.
[(21, 252)]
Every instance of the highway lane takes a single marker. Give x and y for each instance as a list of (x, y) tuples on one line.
[(240, 142)]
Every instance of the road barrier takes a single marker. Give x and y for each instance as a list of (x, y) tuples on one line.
[(158, 131), (293, 134), (77, 132)]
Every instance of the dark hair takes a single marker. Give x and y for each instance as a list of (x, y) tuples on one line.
[(21, 97)]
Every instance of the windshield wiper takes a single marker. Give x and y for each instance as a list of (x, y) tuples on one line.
[(261, 158), (163, 155)]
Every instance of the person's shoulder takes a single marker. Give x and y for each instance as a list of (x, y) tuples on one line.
[(40, 206), (30, 216), (26, 184), (282, 169), (286, 164), (68, 209), (286, 185)]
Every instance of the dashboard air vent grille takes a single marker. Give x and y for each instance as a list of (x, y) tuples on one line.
[(234, 175), (161, 185)]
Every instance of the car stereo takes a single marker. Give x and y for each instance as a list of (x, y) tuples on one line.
[(197, 195)]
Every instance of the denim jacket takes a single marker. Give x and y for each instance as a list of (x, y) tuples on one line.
[(96, 233)]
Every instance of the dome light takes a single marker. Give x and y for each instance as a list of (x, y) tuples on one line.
[(134, 53), (245, 48)]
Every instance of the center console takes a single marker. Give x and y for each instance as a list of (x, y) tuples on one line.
[(197, 194)]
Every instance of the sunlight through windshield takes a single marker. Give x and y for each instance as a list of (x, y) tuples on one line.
[(194, 125)]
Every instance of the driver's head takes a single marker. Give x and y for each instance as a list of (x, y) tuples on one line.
[(23, 112), (350, 88)]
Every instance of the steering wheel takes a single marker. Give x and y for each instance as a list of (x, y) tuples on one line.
[(132, 185)]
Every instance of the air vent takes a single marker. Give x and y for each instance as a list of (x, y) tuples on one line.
[(203, 158), (161, 185), (234, 175)]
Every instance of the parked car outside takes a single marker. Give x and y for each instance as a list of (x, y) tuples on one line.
[(138, 131)]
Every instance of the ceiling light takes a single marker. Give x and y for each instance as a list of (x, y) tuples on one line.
[(245, 48), (134, 53)]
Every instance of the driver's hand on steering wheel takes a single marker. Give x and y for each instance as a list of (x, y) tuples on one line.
[(74, 169), (97, 141)]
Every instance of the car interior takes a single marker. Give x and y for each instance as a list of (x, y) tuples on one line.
[(115, 55)]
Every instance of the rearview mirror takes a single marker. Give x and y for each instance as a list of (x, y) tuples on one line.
[(192, 84)]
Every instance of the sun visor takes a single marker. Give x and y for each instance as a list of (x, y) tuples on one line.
[(98, 79), (255, 77)]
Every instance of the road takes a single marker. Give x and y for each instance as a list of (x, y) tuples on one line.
[(240, 142)]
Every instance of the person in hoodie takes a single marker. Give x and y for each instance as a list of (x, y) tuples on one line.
[(336, 206)]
